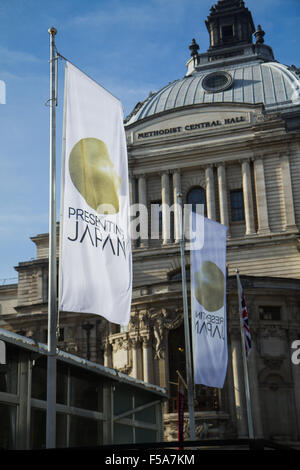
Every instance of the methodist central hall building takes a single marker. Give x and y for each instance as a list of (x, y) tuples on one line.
[(226, 135)]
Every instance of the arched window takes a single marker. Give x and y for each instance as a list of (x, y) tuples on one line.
[(196, 195)]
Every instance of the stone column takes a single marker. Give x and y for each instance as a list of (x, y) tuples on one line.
[(132, 199), (223, 200), (135, 357), (287, 192), (165, 207), (261, 196), (142, 190), (248, 198), (147, 360), (132, 188), (108, 354), (210, 193), (176, 190), (238, 379)]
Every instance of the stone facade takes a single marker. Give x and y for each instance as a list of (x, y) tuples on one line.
[(229, 147)]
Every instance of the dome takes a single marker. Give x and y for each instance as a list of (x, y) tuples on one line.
[(275, 85)]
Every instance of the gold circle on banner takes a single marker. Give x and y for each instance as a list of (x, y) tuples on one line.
[(210, 286), (93, 175)]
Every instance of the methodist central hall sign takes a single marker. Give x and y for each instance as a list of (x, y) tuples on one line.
[(192, 127)]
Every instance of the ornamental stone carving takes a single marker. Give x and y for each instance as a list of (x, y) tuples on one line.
[(163, 320)]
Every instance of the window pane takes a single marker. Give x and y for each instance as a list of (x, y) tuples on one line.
[(61, 430), (122, 399), (39, 379), (144, 435), (194, 197), (123, 434), (86, 391), (147, 415), (38, 429), (7, 426), (237, 205), (197, 196), (85, 432), (62, 383), (9, 371)]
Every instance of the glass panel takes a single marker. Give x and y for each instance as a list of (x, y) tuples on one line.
[(7, 427), (237, 205), (39, 379), (85, 432), (38, 429), (61, 430), (9, 371), (144, 435), (86, 390), (122, 400), (148, 415), (123, 434), (62, 383), (197, 196)]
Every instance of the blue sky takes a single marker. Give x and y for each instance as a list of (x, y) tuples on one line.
[(131, 47)]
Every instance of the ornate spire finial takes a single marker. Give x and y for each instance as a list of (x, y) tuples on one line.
[(259, 35)]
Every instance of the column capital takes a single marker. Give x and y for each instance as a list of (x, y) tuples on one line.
[(175, 171), (242, 161), (208, 166), (163, 172), (135, 341), (258, 156), (146, 341)]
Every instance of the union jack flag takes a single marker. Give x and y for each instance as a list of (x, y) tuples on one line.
[(244, 315)]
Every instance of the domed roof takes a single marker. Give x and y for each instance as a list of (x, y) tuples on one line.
[(271, 83)]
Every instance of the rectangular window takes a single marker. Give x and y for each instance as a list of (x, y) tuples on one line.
[(237, 205), (269, 313), (227, 33), (156, 219)]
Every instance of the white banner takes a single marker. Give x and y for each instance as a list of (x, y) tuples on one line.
[(95, 258), (208, 291)]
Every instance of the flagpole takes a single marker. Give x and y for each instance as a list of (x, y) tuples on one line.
[(245, 365), (52, 289), (186, 326)]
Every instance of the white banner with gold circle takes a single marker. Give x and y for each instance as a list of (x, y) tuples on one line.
[(95, 258), (208, 301)]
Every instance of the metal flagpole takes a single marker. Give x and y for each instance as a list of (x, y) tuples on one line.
[(186, 326), (52, 289), (245, 365)]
